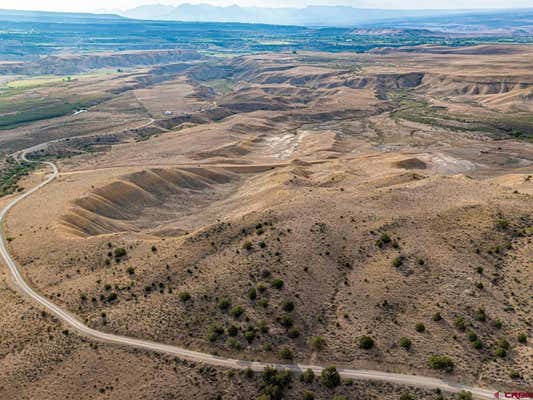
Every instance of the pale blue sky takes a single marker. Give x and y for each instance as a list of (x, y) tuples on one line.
[(94, 5)]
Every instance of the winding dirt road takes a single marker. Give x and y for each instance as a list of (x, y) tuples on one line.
[(73, 322)]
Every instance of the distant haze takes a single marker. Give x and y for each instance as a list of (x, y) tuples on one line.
[(115, 5)]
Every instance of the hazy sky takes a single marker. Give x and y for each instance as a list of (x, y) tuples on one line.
[(93, 5)]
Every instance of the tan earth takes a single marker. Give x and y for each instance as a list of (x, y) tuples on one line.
[(387, 193)]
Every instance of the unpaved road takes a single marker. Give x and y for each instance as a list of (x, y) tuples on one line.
[(73, 322)]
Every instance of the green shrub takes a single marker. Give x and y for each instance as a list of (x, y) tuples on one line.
[(233, 330), (308, 376), (522, 338), (420, 327), (500, 352), (405, 343), (120, 252), (464, 395), (112, 297), (513, 374), (236, 311), (214, 331), (234, 344), (339, 397), (285, 353), (460, 323), (478, 344), (185, 296), (248, 373), (293, 333), (249, 335), (398, 261), (130, 270), (277, 283), (263, 303), (366, 342), (437, 317), (286, 321), (472, 336), (383, 240), (502, 223), (224, 304), (406, 396), (503, 343), (308, 396), (263, 327), (330, 378), (252, 294), (481, 315), (498, 324), (247, 245), (287, 306), (444, 363), (317, 343)]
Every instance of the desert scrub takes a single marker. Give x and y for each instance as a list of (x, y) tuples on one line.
[(366, 342), (12, 174), (405, 343), (317, 343), (330, 377), (441, 362)]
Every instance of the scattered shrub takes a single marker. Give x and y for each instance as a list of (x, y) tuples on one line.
[(366, 342), (405, 343), (437, 317), (277, 283), (214, 331), (247, 245), (308, 376), (317, 343), (420, 327), (522, 338), (293, 333), (460, 323), (478, 344), (444, 363), (464, 395), (398, 261), (287, 306), (236, 311), (185, 296), (224, 304), (252, 294), (383, 240), (286, 321), (120, 252), (308, 396), (285, 353), (330, 378), (406, 396), (233, 330), (513, 374), (481, 315)]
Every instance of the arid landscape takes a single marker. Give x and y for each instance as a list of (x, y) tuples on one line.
[(359, 210)]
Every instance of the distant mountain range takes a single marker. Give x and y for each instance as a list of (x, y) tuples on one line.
[(308, 16)]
